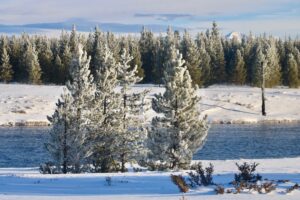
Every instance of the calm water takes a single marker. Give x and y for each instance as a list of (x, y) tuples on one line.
[(23, 147)]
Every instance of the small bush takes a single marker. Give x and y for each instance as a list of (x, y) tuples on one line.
[(137, 169), (267, 187), (263, 188), (180, 182), (294, 187), (219, 190), (247, 173), (202, 176), (48, 168)]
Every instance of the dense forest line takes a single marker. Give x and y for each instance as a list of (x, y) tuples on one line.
[(210, 57)]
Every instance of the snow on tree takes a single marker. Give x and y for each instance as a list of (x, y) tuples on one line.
[(82, 90), (262, 73), (61, 141), (216, 52), (6, 71), (113, 45), (45, 57), (97, 53), (132, 134), (106, 118), (205, 66), (66, 59), (192, 58), (177, 135), (273, 63), (136, 55), (292, 68), (74, 39), (30, 59)]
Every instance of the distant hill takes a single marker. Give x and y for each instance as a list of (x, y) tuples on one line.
[(83, 26)]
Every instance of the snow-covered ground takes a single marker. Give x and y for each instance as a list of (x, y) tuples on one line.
[(29, 104), (29, 184)]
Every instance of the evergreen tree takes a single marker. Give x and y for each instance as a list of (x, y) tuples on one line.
[(136, 58), (106, 119), (31, 62), (293, 80), (216, 51), (132, 134), (58, 69), (60, 142), (74, 39), (238, 73), (15, 52), (249, 55), (82, 90), (6, 72), (205, 66), (262, 72), (273, 63), (113, 45), (147, 50), (65, 56), (158, 60), (191, 55), (45, 58), (176, 136), (97, 53)]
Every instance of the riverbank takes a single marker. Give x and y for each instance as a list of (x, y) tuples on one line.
[(29, 105), (28, 183)]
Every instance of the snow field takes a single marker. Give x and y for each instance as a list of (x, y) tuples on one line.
[(30, 104), (28, 183)]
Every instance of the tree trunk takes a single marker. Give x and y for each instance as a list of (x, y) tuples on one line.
[(65, 151), (123, 163), (263, 105)]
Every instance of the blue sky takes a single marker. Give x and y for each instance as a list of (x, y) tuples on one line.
[(277, 17)]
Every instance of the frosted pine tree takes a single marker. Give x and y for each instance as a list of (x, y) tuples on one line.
[(205, 65), (216, 52), (272, 58), (191, 54), (61, 141), (45, 57), (292, 68), (97, 50), (82, 90), (132, 134), (32, 64), (6, 71), (106, 119), (177, 135), (262, 73)]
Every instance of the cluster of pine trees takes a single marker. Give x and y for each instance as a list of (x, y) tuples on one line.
[(99, 122), (210, 58)]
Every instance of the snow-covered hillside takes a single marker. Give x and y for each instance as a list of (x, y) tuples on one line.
[(29, 184), (30, 104)]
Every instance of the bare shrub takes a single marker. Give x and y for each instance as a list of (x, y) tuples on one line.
[(247, 173), (201, 176), (180, 182), (294, 187), (219, 190), (48, 168)]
